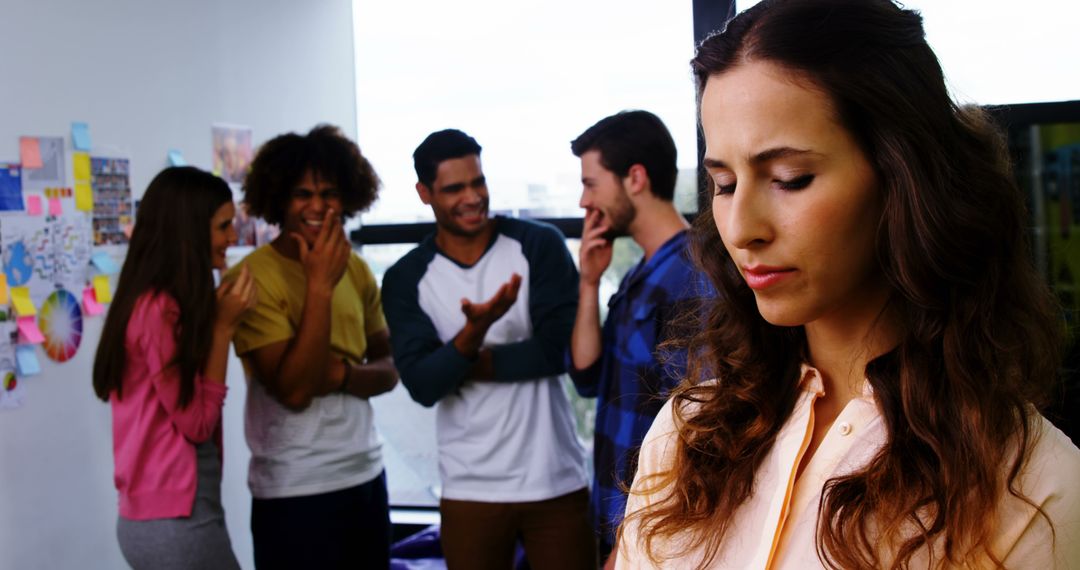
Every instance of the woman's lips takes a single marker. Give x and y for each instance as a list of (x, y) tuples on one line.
[(762, 277)]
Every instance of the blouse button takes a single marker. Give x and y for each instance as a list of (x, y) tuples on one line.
[(845, 428)]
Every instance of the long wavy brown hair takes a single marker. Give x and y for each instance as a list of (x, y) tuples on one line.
[(980, 331)]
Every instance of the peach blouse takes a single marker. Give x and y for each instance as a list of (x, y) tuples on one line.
[(775, 528)]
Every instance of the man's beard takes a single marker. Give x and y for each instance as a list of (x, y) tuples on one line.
[(619, 217)]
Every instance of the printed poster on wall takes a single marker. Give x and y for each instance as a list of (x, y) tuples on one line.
[(53, 171), (111, 180), (11, 197), (251, 230), (72, 248), (28, 254), (232, 151)]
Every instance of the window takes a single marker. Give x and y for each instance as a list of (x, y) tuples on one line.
[(1000, 52), (524, 80)]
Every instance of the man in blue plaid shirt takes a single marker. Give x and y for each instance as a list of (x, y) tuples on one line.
[(628, 175)]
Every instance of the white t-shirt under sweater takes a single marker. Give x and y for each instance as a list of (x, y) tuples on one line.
[(506, 440)]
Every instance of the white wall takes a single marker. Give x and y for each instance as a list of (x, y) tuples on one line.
[(147, 75)]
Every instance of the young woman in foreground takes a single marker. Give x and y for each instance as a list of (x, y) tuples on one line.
[(161, 363), (884, 338)]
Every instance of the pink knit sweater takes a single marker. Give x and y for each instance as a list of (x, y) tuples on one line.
[(153, 438)]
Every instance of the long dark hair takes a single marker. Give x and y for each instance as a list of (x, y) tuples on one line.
[(169, 253), (980, 331)]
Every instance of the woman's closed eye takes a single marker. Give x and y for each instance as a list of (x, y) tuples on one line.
[(797, 183), (723, 185)]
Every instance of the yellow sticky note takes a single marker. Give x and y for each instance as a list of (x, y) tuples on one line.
[(20, 297), (101, 289), (84, 197), (3, 288), (82, 166)]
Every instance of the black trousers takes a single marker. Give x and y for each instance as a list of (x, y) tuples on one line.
[(341, 529)]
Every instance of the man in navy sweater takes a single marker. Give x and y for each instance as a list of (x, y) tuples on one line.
[(480, 315)]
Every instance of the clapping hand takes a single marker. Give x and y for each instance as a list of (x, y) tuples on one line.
[(234, 298)]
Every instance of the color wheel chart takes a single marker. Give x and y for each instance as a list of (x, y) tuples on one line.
[(60, 321)]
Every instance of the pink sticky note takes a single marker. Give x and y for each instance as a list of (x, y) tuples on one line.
[(30, 151), (54, 206), (33, 205), (90, 304), (29, 333)]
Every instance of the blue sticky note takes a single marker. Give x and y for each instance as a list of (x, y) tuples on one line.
[(80, 136), (104, 263), (176, 158), (11, 197), (27, 360)]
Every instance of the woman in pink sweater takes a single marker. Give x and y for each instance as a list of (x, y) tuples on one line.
[(161, 364)]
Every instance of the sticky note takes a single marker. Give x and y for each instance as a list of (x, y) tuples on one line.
[(101, 289), (29, 333), (30, 152), (90, 305), (20, 297), (176, 158), (104, 263), (82, 166), (80, 136), (84, 197), (33, 205), (3, 289), (27, 360), (55, 209)]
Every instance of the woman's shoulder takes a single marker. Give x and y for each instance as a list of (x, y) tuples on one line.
[(152, 308), (669, 420), (156, 301), (1053, 465), (1040, 525)]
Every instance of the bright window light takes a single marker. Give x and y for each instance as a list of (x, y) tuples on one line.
[(996, 52), (523, 78)]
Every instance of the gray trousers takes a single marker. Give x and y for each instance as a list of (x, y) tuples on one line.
[(196, 542)]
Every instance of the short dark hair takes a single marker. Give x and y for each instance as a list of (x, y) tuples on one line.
[(633, 137), (439, 146), (282, 161)]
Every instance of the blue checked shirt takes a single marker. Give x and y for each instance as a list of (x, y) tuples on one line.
[(630, 380)]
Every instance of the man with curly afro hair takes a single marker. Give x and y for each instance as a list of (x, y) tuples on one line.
[(315, 347)]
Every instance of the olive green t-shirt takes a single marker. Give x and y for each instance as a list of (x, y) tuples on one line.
[(332, 444)]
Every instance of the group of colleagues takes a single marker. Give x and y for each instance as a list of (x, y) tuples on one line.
[(479, 320), (837, 366)]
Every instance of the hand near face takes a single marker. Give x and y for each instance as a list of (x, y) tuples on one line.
[(234, 298), (325, 260), (596, 250), (482, 315)]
